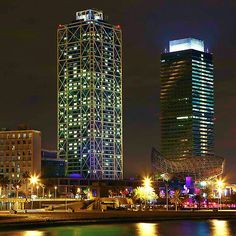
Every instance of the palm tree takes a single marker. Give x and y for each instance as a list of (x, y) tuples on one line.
[(166, 178), (26, 176), (176, 199)]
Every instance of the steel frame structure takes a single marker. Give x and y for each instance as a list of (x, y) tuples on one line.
[(89, 72), (199, 168)]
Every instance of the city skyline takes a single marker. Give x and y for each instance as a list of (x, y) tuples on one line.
[(30, 36)]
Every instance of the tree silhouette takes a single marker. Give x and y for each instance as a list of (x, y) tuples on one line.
[(26, 176), (198, 199), (4, 182)]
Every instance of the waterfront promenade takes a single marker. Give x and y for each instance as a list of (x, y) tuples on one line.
[(42, 219)]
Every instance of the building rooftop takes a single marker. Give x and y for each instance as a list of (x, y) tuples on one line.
[(185, 44), (20, 131), (90, 14)]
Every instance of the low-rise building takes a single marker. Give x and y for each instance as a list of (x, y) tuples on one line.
[(20, 152)]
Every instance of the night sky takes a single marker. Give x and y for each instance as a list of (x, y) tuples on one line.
[(28, 66)]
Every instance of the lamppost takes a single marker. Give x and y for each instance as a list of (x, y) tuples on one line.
[(43, 187), (17, 190), (220, 185), (55, 194), (166, 178), (33, 181), (37, 187)]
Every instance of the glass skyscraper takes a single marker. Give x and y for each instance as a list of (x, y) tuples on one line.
[(187, 100), (89, 75)]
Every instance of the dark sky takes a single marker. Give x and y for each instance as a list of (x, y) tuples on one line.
[(28, 65)]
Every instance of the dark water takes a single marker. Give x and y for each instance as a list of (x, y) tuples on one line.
[(172, 228)]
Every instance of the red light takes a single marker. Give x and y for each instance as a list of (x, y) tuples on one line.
[(118, 26), (60, 26)]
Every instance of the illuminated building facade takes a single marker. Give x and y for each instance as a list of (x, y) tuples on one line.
[(187, 100), (20, 152), (89, 74)]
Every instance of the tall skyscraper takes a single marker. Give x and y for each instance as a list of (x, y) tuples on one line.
[(187, 100), (89, 74)]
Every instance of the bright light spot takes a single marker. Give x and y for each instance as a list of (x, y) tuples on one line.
[(203, 183), (33, 233), (220, 228), (181, 117), (147, 229), (146, 191), (220, 183), (147, 182), (34, 179)]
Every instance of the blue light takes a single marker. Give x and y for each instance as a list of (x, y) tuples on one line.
[(75, 175)]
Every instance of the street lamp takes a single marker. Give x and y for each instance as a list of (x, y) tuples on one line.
[(220, 185), (166, 178), (55, 188), (43, 187), (34, 179), (17, 189), (37, 187)]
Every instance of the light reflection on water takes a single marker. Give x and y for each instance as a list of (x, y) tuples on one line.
[(164, 228), (220, 228), (25, 233), (147, 229)]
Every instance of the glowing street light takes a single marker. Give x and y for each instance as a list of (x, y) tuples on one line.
[(34, 179), (220, 184), (37, 187), (55, 188), (17, 189)]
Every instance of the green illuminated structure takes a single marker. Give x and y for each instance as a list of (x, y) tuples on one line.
[(89, 75)]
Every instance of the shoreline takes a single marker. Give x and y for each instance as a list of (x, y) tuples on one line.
[(53, 219)]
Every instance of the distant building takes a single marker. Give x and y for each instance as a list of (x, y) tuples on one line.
[(187, 100), (20, 152), (197, 168), (51, 166), (89, 74), (98, 188)]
